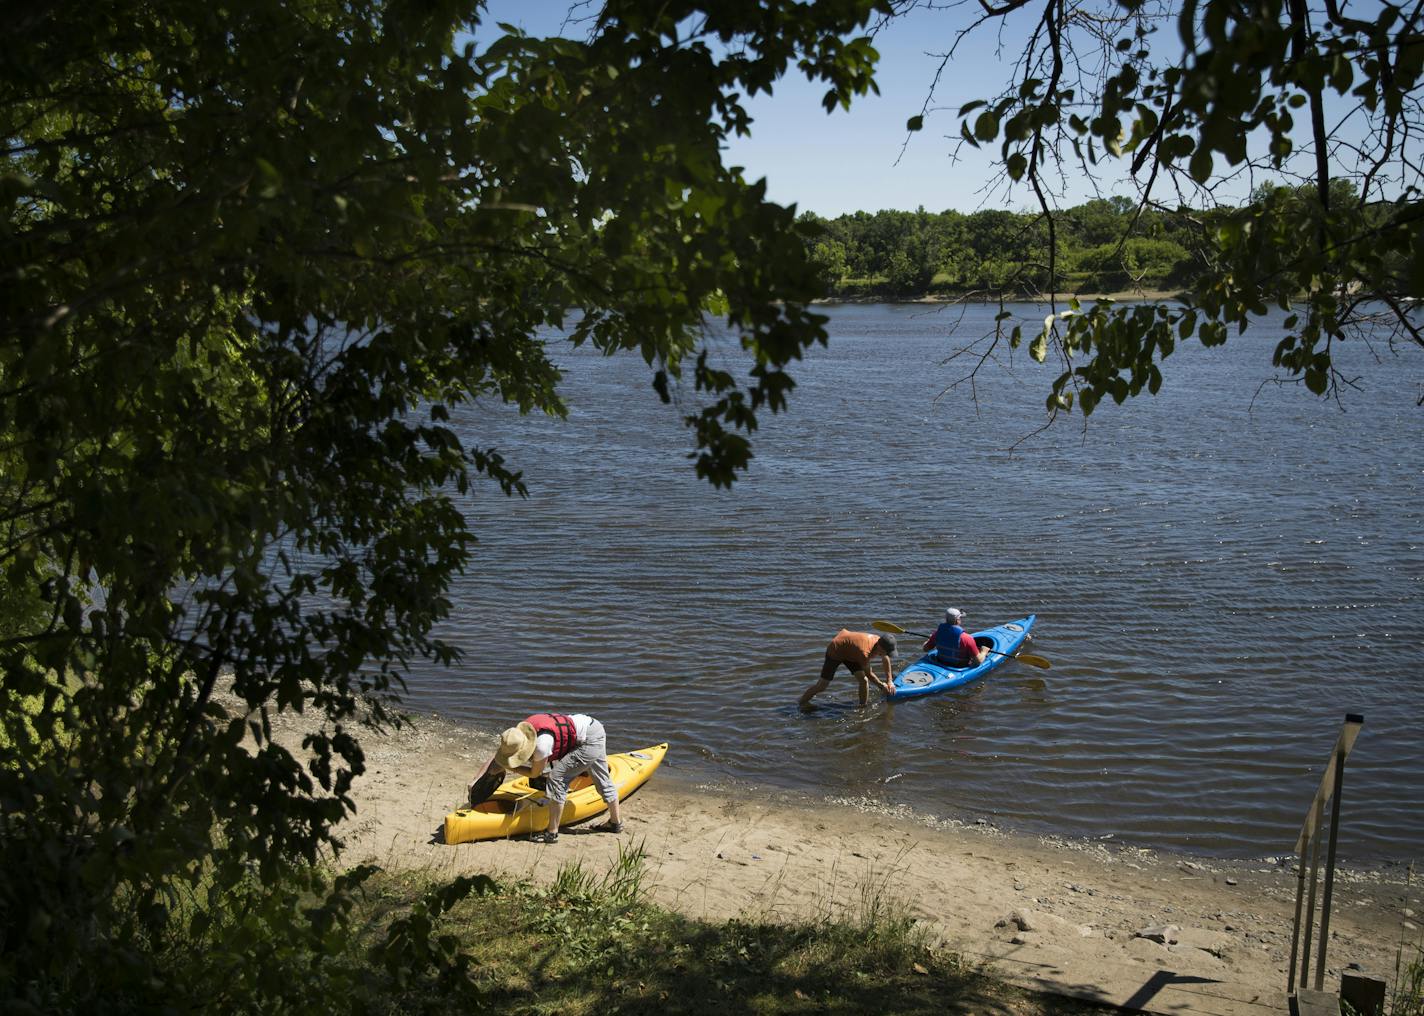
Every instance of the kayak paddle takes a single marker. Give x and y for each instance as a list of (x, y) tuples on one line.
[(1033, 661)]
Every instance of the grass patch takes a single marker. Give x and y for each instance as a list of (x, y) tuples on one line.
[(591, 943)]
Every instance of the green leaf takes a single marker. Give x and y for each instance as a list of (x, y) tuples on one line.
[(1201, 164), (914, 123), (986, 126), (269, 180)]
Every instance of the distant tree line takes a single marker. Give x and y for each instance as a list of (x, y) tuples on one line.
[(1107, 245)]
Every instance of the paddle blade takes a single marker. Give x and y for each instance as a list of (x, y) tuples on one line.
[(485, 786), (893, 629), (1033, 661)]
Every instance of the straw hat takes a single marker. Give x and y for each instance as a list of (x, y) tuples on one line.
[(516, 746)]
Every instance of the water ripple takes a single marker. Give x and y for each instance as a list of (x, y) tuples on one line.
[(1216, 588)]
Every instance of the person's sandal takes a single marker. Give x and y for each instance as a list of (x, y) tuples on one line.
[(543, 837), (610, 827)]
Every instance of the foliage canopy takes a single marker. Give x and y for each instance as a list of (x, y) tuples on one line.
[(1190, 97), (254, 255), (1102, 247)]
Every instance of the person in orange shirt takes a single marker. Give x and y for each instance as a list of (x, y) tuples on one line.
[(856, 651)]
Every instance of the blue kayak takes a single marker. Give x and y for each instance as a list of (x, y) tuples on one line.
[(928, 676)]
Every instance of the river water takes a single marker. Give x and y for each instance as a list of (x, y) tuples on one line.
[(1220, 574)]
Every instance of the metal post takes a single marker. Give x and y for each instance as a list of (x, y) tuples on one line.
[(1295, 930), (1329, 870), (1310, 905), (1329, 790)]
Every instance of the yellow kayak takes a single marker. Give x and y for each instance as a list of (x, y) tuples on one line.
[(517, 808)]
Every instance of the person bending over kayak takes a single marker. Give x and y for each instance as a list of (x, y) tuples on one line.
[(558, 747), (955, 647), (856, 651)]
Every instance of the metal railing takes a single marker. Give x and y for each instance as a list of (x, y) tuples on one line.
[(1310, 835)]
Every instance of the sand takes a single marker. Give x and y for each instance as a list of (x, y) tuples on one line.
[(1098, 919)]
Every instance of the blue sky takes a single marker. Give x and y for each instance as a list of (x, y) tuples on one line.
[(853, 160)]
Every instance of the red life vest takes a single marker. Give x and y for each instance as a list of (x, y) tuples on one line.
[(559, 727)]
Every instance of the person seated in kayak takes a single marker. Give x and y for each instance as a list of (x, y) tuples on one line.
[(856, 651), (955, 647), (559, 747)]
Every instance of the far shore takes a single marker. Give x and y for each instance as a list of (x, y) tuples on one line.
[(1089, 919), (1132, 296)]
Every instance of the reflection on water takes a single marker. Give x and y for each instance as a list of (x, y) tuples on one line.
[(1217, 583)]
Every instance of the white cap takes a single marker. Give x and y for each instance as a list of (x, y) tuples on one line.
[(953, 615)]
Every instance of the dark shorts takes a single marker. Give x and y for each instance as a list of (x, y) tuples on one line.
[(829, 668)]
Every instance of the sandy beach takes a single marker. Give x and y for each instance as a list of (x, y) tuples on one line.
[(1101, 920)]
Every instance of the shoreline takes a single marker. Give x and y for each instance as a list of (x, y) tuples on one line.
[(1091, 918), (1387, 869), (1146, 296)]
